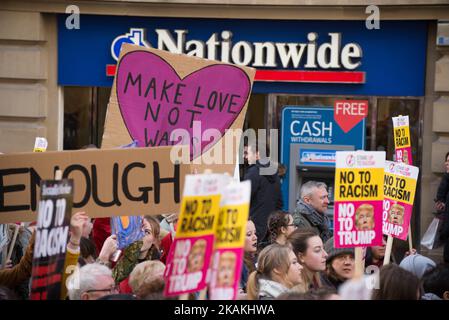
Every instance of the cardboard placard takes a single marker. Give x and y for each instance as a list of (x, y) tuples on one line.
[(359, 195), (229, 241), (156, 95), (399, 193), (52, 235), (402, 142), (107, 183), (190, 254)]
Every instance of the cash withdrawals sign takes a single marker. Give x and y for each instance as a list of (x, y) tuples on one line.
[(358, 198), (399, 193), (52, 235), (229, 241), (190, 254), (402, 142)]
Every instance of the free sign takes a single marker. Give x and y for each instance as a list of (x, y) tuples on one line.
[(348, 113)]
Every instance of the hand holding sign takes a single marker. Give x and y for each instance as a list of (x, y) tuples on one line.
[(348, 113)]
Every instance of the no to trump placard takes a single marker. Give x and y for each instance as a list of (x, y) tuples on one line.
[(229, 241), (190, 254), (358, 198), (399, 192), (402, 143)]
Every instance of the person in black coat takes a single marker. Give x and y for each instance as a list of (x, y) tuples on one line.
[(442, 204), (265, 190)]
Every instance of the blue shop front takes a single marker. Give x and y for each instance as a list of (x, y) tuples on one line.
[(303, 68)]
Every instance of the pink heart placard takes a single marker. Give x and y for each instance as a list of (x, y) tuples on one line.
[(154, 100)]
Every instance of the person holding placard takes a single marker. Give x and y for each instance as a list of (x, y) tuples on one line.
[(340, 265), (249, 255), (442, 204), (397, 284), (142, 250)]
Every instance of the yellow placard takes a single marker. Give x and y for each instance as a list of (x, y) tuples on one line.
[(359, 184), (231, 226), (198, 215), (399, 188), (401, 137)]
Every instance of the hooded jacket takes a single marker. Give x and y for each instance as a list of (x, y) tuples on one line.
[(265, 196), (307, 217), (269, 289), (417, 264)]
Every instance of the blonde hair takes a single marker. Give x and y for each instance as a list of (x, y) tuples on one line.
[(144, 273), (274, 256)]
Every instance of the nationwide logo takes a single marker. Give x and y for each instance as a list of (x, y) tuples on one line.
[(318, 157), (335, 60)]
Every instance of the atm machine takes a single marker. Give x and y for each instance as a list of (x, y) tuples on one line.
[(309, 141), (317, 163)]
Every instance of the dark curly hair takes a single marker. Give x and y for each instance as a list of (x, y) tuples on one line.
[(276, 221)]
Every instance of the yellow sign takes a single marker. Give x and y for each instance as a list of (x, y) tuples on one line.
[(359, 184), (198, 215), (231, 227), (399, 188), (401, 137)]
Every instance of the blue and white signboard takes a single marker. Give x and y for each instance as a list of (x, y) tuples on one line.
[(315, 129)]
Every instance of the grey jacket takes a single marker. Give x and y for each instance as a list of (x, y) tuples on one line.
[(305, 216)]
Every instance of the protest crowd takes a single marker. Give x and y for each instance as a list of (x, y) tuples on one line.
[(132, 233), (286, 255)]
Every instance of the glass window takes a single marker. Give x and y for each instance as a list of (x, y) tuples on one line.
[(84, 116)]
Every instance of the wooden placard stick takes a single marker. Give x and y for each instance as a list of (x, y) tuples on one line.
[(388, 250), (359, 265)]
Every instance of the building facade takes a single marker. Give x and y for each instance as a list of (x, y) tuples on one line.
[(55, 78)]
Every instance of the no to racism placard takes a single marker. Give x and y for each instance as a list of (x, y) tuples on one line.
[(52, 236), (399, 193), (358, 198), (402, 143), (190, 254), (229, 241)]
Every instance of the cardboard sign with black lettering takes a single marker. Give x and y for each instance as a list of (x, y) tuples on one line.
[(136, 181), (52, 235), (159, 98)]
